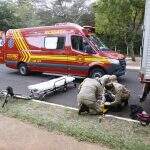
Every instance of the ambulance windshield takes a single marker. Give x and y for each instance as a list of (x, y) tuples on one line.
[(98, 43)]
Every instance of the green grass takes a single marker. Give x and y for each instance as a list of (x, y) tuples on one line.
[(111, 132)]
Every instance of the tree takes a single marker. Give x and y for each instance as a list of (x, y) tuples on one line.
[(8, 19), (121, 19), (87, 18), (75, 11), (26, 11)]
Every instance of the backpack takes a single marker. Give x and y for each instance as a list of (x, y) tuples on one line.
[(135, 109), (144, 118), (137, 113)]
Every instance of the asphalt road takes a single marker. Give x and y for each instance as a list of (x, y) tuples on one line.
[(9, 77)]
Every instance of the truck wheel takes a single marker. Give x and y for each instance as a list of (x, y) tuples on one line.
[(97, 72), (23, 69)]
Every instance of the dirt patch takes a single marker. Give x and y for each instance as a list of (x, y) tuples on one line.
[(15, 135)]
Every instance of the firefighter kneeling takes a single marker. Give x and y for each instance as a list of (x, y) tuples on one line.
[(90, 96)]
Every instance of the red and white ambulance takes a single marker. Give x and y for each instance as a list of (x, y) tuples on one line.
[(64, 48)]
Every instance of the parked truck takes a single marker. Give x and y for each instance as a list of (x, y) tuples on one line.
[(145, 62), (64, 48)]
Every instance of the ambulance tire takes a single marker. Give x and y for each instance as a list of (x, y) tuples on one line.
[(96, 72), (23, 69)]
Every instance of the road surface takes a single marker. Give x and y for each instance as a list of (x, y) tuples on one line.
[(9, 77)]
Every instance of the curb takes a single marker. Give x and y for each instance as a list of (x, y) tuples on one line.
[(133, 67), (53, 104), (122, 118)]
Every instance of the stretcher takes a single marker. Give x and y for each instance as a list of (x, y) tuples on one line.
[(41, 90)]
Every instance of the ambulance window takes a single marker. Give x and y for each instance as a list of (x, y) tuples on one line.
[(77, 42), (54, 42), (36, 41), (1, 42)]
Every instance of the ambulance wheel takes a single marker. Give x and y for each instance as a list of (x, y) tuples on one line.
[(23, 69), (96, 72)]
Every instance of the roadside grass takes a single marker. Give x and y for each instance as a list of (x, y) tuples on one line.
[(116, 134)]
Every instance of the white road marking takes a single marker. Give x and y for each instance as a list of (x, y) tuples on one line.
[(122, 118), (53, 104), (133, 67)]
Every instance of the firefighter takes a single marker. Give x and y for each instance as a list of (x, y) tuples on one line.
[(146, 90), (120, 95), (90, 96)]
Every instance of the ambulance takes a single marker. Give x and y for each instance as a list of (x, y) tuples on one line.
[(64, 48)]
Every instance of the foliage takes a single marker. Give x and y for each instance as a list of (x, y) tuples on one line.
[(8, 18), (26, 11), (120, 20), (75, 11)]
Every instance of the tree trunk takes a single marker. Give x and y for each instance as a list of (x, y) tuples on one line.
[(131, 49)]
